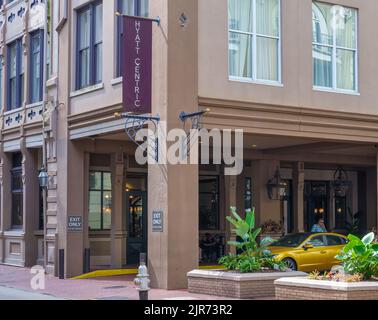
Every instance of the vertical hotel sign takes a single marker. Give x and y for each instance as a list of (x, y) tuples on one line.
[(137, 64)]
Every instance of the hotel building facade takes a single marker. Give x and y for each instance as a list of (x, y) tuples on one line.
[(298, 76)]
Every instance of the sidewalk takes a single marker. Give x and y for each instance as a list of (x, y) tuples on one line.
[(112, 288)]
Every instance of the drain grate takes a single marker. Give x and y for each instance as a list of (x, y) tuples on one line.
[(115, 287)]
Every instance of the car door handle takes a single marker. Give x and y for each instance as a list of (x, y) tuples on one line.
[(323, 252)]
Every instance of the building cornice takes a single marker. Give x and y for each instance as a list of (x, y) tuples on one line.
[(290, 121)]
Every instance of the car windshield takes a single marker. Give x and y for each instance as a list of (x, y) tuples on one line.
[(291, 240)]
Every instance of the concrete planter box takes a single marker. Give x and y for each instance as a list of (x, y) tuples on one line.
[(235, 285), (306, 289)]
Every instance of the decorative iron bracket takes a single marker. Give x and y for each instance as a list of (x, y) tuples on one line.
[(157, 19), (134, 123), (195, 118)]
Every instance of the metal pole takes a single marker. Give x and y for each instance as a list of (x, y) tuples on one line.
[(157, 19), (61, 264)]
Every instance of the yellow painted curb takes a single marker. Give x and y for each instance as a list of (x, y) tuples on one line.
[(106, 273), (212, 268), (122, 272)]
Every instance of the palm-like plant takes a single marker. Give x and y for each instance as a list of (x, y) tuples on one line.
[(245, 229), (254, 256)]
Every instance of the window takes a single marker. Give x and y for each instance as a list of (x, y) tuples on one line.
[(335, 241), (254, 39), (100, 200), (89, 45), (17, 192), (15, 75), (334, 47), (132, 8), (209, 202), (317, 241), (36, 66)]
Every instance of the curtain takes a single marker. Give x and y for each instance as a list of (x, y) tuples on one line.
[(128, 7), (98, 54), (322, 34), (267, 38), (346, 38), (84, 44), (240, 45), (322, 65), (331, 21), (144, 8), (267, 24)]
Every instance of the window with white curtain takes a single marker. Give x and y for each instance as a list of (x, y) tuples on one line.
[(254, 40), (334, 47)]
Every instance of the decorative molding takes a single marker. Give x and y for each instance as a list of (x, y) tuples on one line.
[(291, 121)]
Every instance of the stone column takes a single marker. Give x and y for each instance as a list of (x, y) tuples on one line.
[(266, 209), (5, 203), (70, 198), (173, 189), (118, 241), (231, 201), (51, 216), (30, 203), (298, 196)]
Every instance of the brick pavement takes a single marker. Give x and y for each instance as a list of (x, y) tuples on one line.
[(111, 288)]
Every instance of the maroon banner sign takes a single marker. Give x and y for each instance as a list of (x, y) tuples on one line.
[(137, 65)]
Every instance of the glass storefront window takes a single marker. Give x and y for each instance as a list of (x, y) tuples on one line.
[(17, 192), (209, 202), (100, 200)]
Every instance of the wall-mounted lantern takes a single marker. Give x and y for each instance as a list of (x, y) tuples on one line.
[(43, 178), (340, 182), (277, 187)]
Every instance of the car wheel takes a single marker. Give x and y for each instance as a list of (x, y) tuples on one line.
[(290, 263)]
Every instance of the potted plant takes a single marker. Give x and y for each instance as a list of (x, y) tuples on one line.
[(254, 256), (356, 277), (360, 257), (250, 273)]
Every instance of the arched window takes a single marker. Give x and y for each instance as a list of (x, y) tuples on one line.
[(334, 47)]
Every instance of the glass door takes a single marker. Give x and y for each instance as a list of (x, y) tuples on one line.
[(136, 205), (316, 203)]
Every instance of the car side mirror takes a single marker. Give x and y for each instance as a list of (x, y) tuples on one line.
[(308, 246)]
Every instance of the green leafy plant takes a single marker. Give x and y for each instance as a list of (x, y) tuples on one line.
[(254, 256), (353, 225), (360, 257)]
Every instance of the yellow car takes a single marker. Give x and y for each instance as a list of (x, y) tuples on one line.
[(309, 251)]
